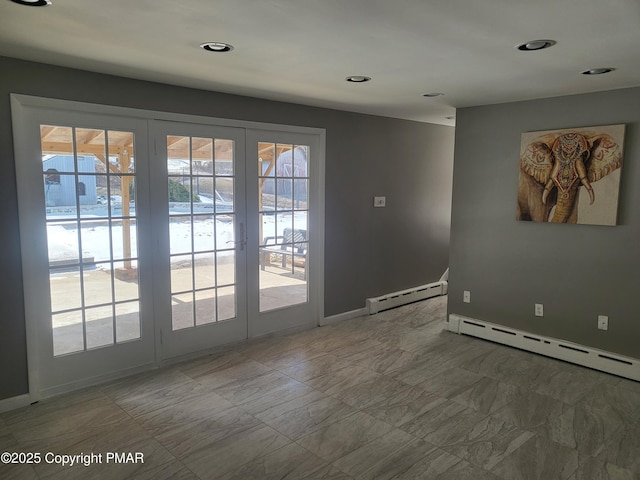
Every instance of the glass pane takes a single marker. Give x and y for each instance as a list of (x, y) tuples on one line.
[(284, 193), (67, 332), (180, 235), (226, 303), (300, 189), (95, 240), (127, 321), (267, 196), (268, 229), (181, 273), (65, 289), (224, 156), (202, 156), (178, 148), (122, 195), (266, 159), (204, 270), (226, 268), (124, 240), (204, 194), (224, 195), (205, 307), (90, 142), (284, 162), (62, 243), (97, 286), (283, 222), (180, 197), (182, 311), (60, 195), (125, 282), (56, 141), (300, 222), (99, 326), (225, 233), (203, 233), (102, 196), (121, 151), (300, 161)]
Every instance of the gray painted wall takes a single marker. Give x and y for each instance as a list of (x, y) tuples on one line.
[(576, 271), (368, 252)]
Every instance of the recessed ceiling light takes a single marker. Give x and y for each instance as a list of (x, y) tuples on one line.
[(534, 45), (433, 94), (218, 47), (598, 71), (33, 3), (357, 79)]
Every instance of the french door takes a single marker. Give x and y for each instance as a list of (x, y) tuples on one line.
[(200, 222), (146, 238)]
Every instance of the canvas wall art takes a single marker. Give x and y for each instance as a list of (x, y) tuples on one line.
[(571, 175)]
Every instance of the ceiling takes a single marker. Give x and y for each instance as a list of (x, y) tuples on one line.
[(301, 50)]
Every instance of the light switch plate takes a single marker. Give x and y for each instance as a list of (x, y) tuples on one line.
[(379, 202)]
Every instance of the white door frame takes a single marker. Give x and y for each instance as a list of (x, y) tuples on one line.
[(22, 106)]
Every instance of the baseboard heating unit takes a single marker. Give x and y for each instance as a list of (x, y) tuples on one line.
[(396, 299), (570, 352)]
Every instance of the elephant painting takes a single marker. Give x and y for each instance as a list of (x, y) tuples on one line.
[(555, 166)]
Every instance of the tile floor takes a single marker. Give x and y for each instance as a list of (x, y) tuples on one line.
[(390, 396)]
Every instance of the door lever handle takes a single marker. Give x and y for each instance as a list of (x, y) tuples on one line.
[(243, 238)]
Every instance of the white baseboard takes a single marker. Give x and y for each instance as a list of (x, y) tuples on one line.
[(15, 402), (360, 312), (620, 365)]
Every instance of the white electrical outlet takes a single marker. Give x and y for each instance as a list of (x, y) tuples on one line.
[(603, 322), (466, 296), (379, 201), (539, 309)]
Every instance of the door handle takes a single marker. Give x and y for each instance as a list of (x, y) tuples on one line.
[(243, 238)]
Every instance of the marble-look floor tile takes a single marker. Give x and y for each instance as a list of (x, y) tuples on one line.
[(377, 459), (428, 366), (290, 357), (488, 395), (588, 425), (315, 367), (211, 364), (598, 468), (441, 418), (569, 384), (17, 472), (531, 410), (451, 382), (145, 384), (340, 380), (169, 471), (328, 472), (623, 448), (306, 414), (234, 451), (252, 389), (421, 461), (376, 390), (344, 436), (242, 371), (71, 424), (49, 408), (183, 434), (291, 462), (484, 444), (538, 459), (383, 359), (270, 402), (404, 406), (139, 403), (128, 437), (503, 365)]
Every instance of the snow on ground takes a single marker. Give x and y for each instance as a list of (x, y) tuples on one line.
[(63, 240)]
